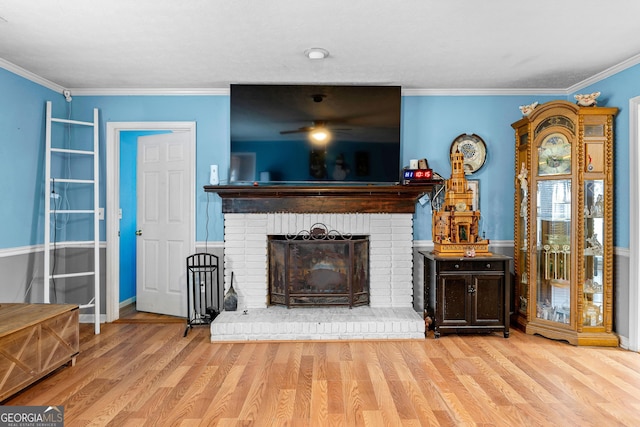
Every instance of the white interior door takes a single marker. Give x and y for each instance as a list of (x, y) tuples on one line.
[(163, 222)]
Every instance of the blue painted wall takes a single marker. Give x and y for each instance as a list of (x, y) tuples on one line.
[(211, 114), (22, 136), (616, 91), (429, 126), (430, 123)]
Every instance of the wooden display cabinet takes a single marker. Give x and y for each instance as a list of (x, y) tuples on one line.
[(467, 295), (563, 226)]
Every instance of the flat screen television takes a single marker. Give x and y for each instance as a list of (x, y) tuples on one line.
[(274, 131)]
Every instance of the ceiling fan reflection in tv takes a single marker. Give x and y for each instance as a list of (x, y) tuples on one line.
[(319, 132)]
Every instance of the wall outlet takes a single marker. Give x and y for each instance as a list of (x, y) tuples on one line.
[(213, 177)]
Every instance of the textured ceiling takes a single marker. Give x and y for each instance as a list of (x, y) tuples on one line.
[(418, 44)]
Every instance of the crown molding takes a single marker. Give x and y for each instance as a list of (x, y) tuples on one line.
[(9, 66), (482, 92), (226, 91), (150, 92), (634, 60)]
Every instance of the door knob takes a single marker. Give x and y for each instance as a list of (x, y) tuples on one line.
[(138, 232)]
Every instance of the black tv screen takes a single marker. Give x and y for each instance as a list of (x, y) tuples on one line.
[(274, 129)]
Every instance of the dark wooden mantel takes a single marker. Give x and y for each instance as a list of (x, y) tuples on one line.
[(321, 199)]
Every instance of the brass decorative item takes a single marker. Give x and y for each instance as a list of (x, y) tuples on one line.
[(231, 298)]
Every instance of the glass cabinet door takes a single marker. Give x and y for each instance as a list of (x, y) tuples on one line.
[(593, 297), (553, 250)]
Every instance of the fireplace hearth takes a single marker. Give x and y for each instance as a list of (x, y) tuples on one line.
[(318, 267)]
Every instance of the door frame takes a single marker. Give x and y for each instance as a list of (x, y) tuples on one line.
[(112, 288)]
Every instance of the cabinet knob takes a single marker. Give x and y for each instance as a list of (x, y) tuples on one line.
[(457, 266), (471, 289), (488, 265)]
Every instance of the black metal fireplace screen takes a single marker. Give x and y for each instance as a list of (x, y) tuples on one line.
[(318, 267)]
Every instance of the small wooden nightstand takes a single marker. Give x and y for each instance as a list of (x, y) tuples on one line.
[(467, 295)]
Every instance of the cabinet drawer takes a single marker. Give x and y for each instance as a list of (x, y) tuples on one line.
[(485, 265)]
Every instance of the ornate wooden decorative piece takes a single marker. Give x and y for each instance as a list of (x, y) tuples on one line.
[(455, 228)]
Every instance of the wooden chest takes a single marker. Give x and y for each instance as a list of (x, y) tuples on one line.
[(35, 339)]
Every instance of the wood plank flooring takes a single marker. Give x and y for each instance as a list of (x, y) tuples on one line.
[(129, 314), (148, 374)]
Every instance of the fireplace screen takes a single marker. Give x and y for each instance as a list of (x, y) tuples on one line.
[(318, 268)]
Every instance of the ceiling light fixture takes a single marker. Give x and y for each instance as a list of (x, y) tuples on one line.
[(316, 53), (319, 136)]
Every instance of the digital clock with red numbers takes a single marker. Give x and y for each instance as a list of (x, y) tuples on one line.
[(416, 175)]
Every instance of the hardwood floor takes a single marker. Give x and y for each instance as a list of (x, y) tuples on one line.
[(129, 314), (147, 374)]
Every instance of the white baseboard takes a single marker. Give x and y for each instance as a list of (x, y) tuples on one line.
[(624, 342), (88, 318), (127, 302)]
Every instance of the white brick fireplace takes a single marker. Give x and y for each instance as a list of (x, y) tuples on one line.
[(390, 252), (384, 214)]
